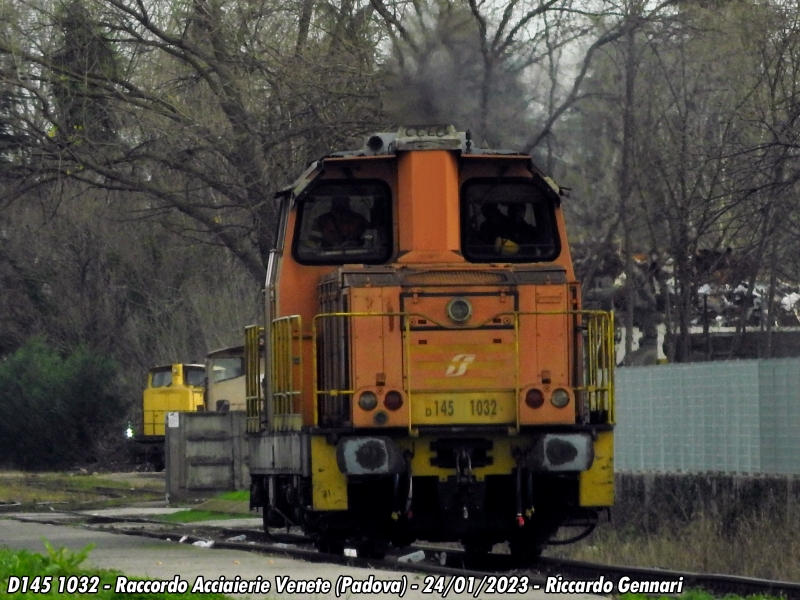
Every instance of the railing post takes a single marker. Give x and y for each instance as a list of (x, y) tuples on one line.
[(253, 399)]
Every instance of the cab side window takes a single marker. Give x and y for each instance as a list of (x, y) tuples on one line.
[(507, 220), (344, 222)]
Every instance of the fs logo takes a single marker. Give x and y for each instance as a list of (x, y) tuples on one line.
[(458, 366)]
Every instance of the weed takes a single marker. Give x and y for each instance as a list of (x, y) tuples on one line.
[(762, 546), (237, 496), (64, 559)]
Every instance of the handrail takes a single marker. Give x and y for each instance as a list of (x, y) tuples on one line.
[(285, 330), (253, 396), (284, 385), (598, 362), (315, 367), (598, 359)]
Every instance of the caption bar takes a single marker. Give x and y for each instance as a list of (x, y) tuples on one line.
[(438, 585)]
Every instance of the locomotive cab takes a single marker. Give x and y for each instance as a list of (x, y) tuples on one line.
[(225, 380), (432, 373), (170, 388)]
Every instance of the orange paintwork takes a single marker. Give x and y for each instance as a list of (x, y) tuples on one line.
[(377, 353), (427, 198), (467, 360), (545, 351), (298, 295), (564, 259), (425, 190)]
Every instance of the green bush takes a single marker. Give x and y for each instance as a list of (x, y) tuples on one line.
[(53, 410), (65, 563)]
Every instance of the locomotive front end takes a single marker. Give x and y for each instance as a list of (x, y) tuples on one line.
[(456, 390), (170, 388)]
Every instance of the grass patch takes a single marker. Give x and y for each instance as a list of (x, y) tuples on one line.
[(88, 482), (237, 496), (64, 563), (755, 546), (67, 489), (195, 516), (22, 491)]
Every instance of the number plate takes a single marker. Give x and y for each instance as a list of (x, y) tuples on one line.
[(462, 408)]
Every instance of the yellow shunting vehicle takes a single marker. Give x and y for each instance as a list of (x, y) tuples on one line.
[(170, 388)]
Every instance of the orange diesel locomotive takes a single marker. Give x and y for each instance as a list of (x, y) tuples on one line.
[(431, 373)]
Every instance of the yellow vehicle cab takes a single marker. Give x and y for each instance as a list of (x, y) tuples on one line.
[(170, 388)]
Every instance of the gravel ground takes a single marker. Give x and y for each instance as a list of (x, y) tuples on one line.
[(156, 559)]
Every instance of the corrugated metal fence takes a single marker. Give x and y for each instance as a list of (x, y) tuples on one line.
[(739, 416)]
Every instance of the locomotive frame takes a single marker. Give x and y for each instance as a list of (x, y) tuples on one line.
[(456, 390)]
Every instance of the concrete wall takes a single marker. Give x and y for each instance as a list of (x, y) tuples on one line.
[(206, 454)]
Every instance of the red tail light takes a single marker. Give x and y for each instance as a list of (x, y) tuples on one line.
[(534, 398), (393, 400)]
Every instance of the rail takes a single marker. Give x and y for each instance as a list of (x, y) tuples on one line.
[(491, 565)]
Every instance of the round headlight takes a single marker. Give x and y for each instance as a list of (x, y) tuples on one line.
[(368, 400), (393, 400), (534, 398), (459, 310), (560, 398), (380, 417)]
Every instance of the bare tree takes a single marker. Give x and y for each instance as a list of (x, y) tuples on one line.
[(475, 63), (204, 109)]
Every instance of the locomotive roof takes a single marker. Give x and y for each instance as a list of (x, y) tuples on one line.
[(415, 137), (235, 351), (421, 137)]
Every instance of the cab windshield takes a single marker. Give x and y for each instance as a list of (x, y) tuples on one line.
[(162, 378), (343, 222), (507, 220), (194, 376)]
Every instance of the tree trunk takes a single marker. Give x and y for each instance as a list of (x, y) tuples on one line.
[(626, 183)]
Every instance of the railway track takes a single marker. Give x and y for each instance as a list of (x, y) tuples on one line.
[(440, 560)]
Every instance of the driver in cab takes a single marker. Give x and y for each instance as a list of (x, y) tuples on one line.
[(507, 233), (341, 226)]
